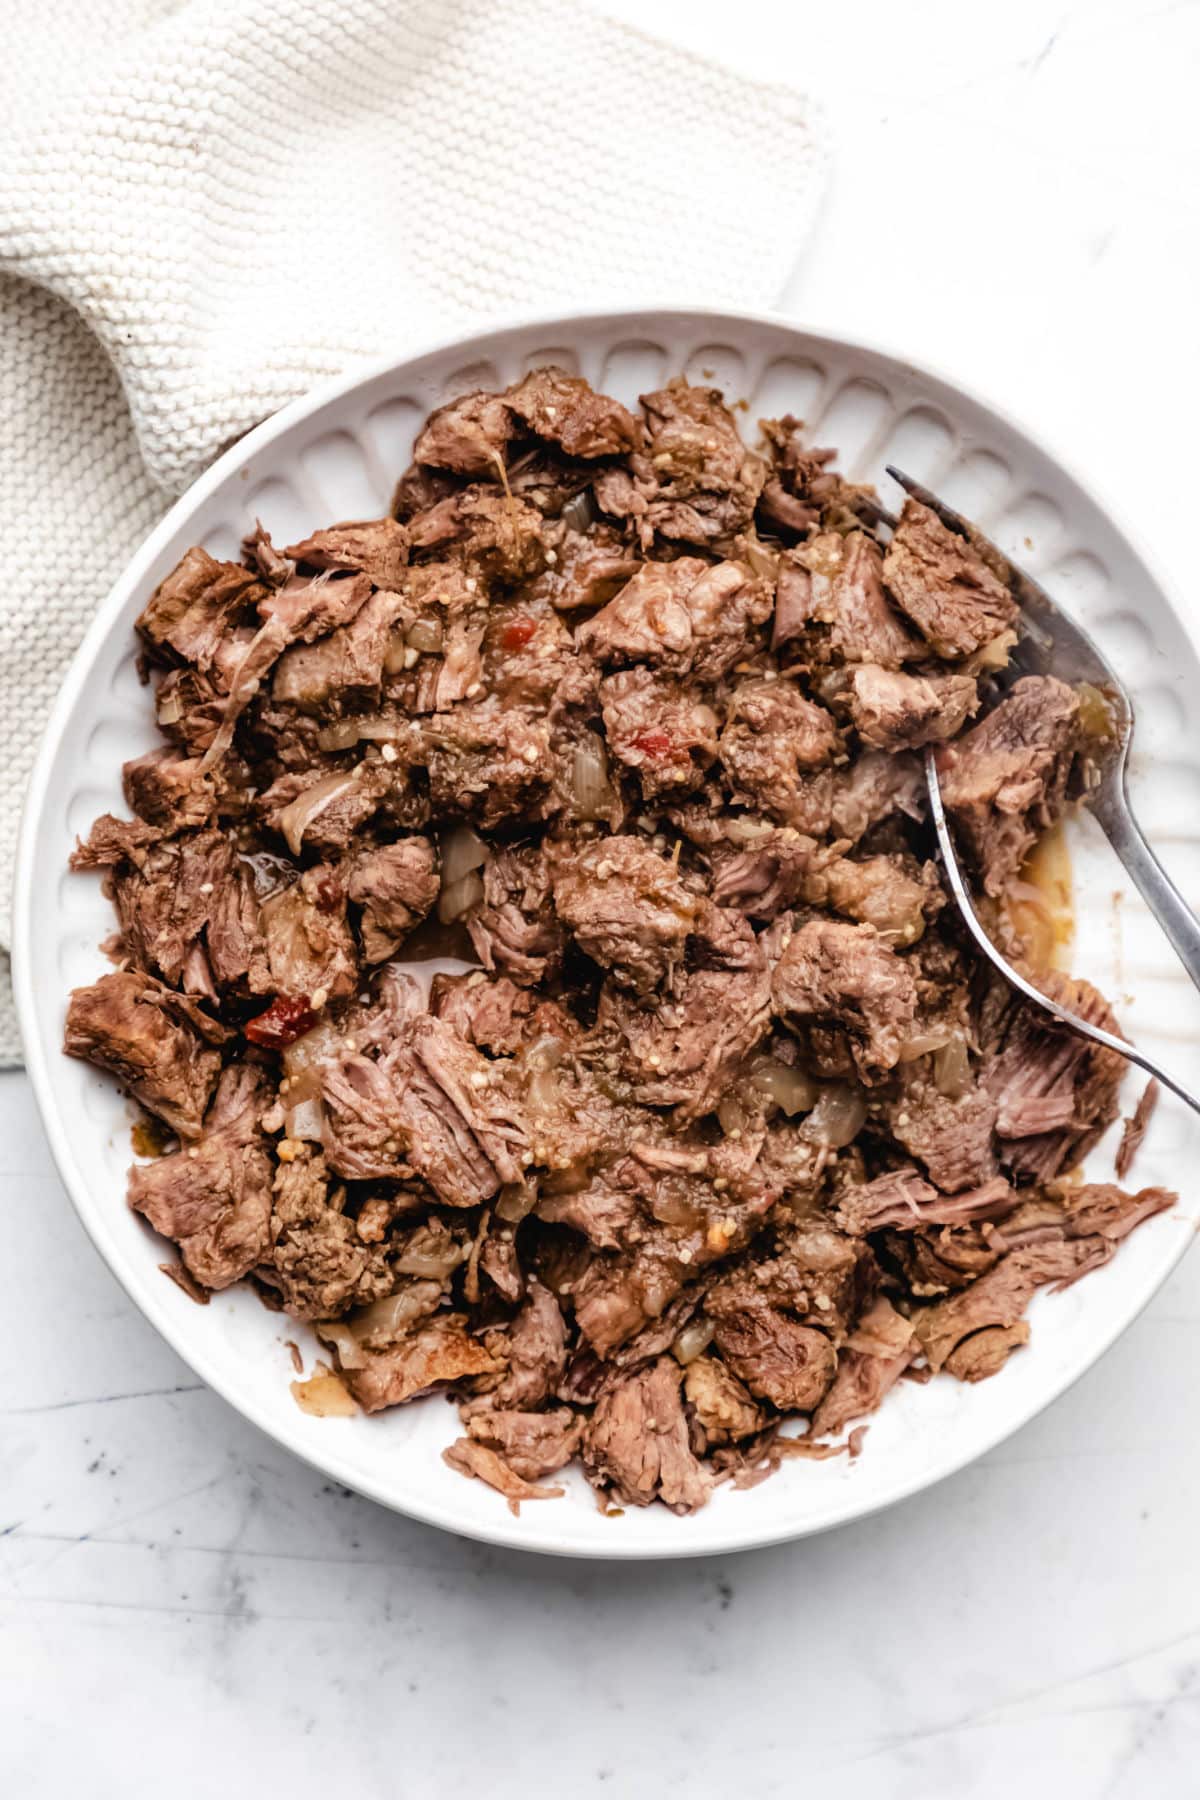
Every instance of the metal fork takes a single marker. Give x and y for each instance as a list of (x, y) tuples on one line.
[(1050, 643)]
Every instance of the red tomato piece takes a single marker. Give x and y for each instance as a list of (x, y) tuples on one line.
[(518, 634), (653, 743), (283, 1022)]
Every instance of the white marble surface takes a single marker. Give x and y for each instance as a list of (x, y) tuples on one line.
[(182, 1603)]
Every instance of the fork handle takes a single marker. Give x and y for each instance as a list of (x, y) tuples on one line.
[(1151, 879)]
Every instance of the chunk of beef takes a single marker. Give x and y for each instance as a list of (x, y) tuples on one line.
[(617, 1296), (501, 537), (773, 738), (985, 1352), (496, 1016), (528, 652), (532, 1444), (662, 729), (214, 1197), (935, 576), (324, 812), (308, 943), (260, 554), (233, 940), (1099, 1211), (468, 1457), (434, 1106), (864, 628), (774, 871), (1135, 1129), (938, 1260), (683, 1051), (470, 436), (299, 613), (164, 895), (566, 411), (999, 1297), (697, 482), (847, 976), (721, 1409), (514, 929), (682, 616), (489, 760), (344, 669), (875, 787), (804, 484), (894, 711), (780, 1360), (320, 1262), (805, 1267), (1005, 780), (112, 841), (377, 547), (627, 908), (829, 596), (191, 610), (589, 568), (395, 885), (636, 1442), (894, 894), (168, 790), (1055, 1093), (531, 1351), (153, 1040), (951, 1135), (902, 1197), (437, 1354), (875, 1356)]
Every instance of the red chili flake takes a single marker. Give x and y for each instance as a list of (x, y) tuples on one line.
[(284, 1021), (653, 743), (518, 634)]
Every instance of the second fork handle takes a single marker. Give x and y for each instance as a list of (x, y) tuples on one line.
[(1152, 881)]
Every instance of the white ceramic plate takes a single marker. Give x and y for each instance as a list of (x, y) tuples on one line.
[(335, 455)]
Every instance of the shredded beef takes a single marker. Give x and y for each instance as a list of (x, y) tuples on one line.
[(528, 935)]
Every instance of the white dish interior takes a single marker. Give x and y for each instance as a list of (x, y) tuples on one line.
[(336, 455)]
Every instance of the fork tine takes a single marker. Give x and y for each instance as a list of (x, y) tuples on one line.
[(962, 898)]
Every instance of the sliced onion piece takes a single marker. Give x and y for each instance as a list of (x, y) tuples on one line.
[(924, 1043), (462, 850), (789, 1089), (304, 1060), (579, 513), (746, 830), (431, 1254), (952, 1069), (396, 658), (693, 1340), (425, 636), (459, 897), (343, 1340), (295, 819), (838, 1116), (992, 657), (591, 787), (385, 1318), (516, 1202), (341, 735), (306, 1119)]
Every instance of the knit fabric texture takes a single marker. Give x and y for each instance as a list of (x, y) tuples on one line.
[(206, 207)]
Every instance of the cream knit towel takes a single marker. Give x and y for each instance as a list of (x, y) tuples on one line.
[(207, 205)]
